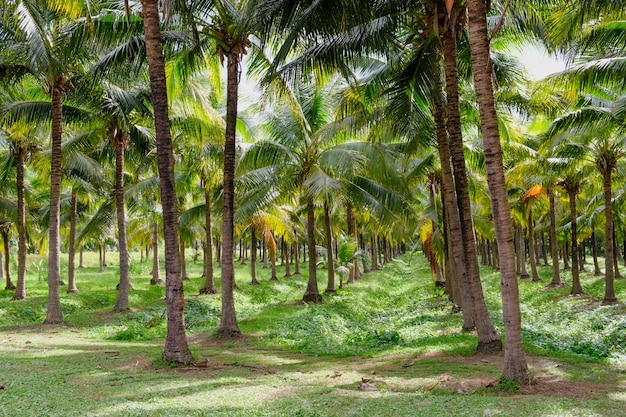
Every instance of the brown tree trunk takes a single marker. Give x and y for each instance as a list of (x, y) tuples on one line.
[(176, 348), (616, 272), (7, 258), (572, 190), (183, 260), (228, 324), (609, 277), (594, 254), (156, 269), (121, 141), (515, 366), (71, 250), (521, 252), (54, 313), (351, 221), (488, 337), (20, 290), (253, 254), (312, 294), (554, 245), (297, 258), (461, 292), (330, 287), (531, 245), (209, 283)]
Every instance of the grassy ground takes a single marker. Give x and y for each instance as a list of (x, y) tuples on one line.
[(392, 334)]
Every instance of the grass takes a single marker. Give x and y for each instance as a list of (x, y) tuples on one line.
[(392, 328)]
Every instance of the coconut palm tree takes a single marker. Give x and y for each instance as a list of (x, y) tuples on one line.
[(515, 366)]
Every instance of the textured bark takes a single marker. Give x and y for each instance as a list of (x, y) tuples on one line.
[(616, 272), (515, 365), (253, 254), (156, 268), (20, 290), (531, 245), (488, 337), (374, 250), (7, 256), (228, 324), (521, 252), (594, 253), (296, 265), (209, 281), (330, 287), (54, 313), (461, 292), (609, 250), (312, 294), (577, 289), (176, 348), (121, 141), (554, 245), (351, 221), (71, 250)]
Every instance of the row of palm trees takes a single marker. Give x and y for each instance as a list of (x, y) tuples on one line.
[(341, 136)]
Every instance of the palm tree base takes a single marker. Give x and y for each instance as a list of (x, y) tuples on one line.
[(18, 297), (577, 292), (609, 301), (228, 333), (157, 281), (312, 298), (208, 290), (490, 347), (330, 291), (72, 290), (10, 286)]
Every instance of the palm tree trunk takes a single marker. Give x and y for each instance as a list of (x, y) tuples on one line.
[(576, 287), (609, 289), (120, 141), (176, 348), (312, 294), (297, 258), (253, 254), (156, 269), (374, 249), (594, 254), (521, 252), (462, 295), (209, 283), (515, 366), (183, 256), (7, 258), (71, 250), (616, 272), (531, 245), (228, 323), (554, 245), (351, 221), (330, 287), (287, 250), (488, 337), (54, 313), (20, 290)]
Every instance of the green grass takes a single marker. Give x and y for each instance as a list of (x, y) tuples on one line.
[(305, 360)]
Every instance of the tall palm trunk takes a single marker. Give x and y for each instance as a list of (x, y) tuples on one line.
[(330, 286), (454, 235), (352, 232), (120, 140), (609, 253), (228, 323), (156, 269), (312, 294), (594, 254), (176, 348), (209, 283), (531, 244), (554, 245), (54, 314), (488, 337), (253, 254), (572, 190), (515, 366), (20, 290), (71, 250), (4, 231)]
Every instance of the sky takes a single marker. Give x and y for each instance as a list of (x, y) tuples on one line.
[(539, 63)]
